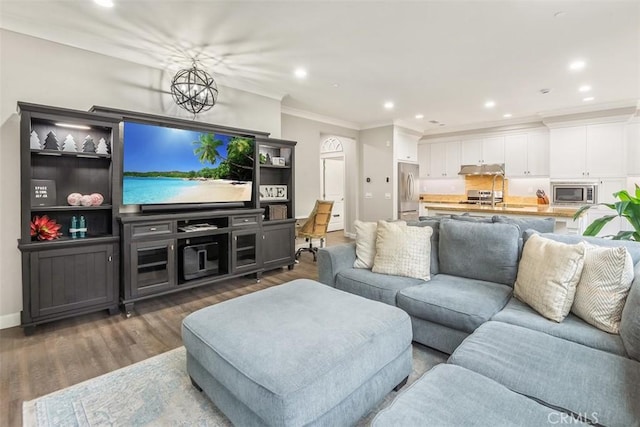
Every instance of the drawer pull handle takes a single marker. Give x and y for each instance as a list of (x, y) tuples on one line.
[(246, 220), (152, 229), (110, 258)]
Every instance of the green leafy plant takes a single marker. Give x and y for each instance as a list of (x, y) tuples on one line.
[(628, 207)]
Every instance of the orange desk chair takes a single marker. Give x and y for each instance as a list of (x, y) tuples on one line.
[(315, 227)]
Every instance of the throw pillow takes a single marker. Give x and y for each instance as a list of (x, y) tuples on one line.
[(403, 251), (603, 287), (548, 274), (630, 324), (366, 233), (469, 218)]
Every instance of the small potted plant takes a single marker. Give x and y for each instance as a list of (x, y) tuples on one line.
[(628, 207)]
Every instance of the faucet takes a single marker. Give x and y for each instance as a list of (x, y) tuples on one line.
[(493, 187)]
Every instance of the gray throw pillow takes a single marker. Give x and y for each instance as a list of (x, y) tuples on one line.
[(541, 225), (478, 250), (469, 218), (630, 324)]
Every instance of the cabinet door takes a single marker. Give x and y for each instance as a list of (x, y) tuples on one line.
[(424, 160), (605, 150), (66, 280), (471, 152), (278, 245), (568, 152), (438, 161), (493, 150), (245, 250), (633, 148), (515, 155), (538, 154), (607, 187), (153, 267), (452, 159)]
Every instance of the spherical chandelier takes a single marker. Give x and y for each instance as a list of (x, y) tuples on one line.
[(194, 90)]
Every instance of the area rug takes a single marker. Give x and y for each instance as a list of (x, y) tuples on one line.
[(157, 392)]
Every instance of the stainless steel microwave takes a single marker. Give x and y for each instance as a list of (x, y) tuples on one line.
[(574, 193)]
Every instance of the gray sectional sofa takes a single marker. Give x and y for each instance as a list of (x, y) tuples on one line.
[(535, 371)]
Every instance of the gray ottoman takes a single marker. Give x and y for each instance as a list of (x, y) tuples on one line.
[(297, 354)]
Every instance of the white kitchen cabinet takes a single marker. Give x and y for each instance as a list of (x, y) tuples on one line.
[(482, 151), (605, 150), (633, 148), (593, 151), (608, 186), (445, 159), (405, 147), (424, 160), (527, 155)]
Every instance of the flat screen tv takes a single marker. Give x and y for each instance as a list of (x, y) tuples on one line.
[(166, 166)]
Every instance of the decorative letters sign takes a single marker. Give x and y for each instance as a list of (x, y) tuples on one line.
[(273, 192), (43, 192)]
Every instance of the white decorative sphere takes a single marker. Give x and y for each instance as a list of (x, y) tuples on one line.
[(74, 199), (85, 200), (96, 199)]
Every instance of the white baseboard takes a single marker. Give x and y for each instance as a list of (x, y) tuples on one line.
[(9, 320)]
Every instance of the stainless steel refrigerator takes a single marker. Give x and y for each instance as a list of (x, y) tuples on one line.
[(408, 191)]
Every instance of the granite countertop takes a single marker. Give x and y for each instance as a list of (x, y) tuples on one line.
[(539, 210)]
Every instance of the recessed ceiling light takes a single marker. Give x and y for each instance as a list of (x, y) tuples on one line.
[(588, 98), (388, 105), (506, 116), (104, 3), (577, 65), (584, 88), (419, 116), (490, 104), (300, 73)]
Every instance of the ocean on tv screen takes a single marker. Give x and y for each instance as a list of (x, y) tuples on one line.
[(165, 165)]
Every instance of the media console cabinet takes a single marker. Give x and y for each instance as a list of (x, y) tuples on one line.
[(123, 258)]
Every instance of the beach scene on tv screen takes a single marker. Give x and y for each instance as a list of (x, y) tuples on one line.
[(166, 165)]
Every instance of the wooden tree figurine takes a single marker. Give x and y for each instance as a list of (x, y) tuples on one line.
[(88, 146), (69, 144), (51, 142), (34, 141)]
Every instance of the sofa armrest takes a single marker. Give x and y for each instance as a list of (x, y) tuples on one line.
[(334, 259)]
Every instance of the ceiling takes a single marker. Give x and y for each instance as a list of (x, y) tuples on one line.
[(442, 59)]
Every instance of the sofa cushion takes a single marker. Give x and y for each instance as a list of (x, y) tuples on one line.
[(375, 286), (366, 233), (457, 302), (542, 225), (468, 218), (603, 287), (572, 328), (435, 239), (403, 251), (601, 386), (548, 274), (479, 251), (632, 247), (449, 395), (630, 323)]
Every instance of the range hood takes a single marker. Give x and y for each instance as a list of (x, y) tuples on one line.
[(491, 169)]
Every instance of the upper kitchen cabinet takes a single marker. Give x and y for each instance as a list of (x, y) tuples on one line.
[(405, 146), (424, 160), (527, 155), (592, 151), (633, 148), (483, 151), (445, 159)]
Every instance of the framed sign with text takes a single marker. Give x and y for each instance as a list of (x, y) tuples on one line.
[(43, 192), (273, 192)]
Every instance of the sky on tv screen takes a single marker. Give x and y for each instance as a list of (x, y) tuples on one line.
[(149, 148)]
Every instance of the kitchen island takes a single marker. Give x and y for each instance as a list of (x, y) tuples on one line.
[(563, 215)]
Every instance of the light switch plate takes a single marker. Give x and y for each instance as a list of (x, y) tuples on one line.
[(387, 195), (368, 195)]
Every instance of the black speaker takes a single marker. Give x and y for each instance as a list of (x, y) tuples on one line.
[(200, 260)]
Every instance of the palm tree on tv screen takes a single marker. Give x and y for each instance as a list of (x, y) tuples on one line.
[(207, 150)]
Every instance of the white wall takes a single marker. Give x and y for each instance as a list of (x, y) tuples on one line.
[(42, 72), (377, 165), (309, 135)]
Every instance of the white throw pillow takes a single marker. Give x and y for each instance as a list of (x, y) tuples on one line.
[(548, 274), (366, 233), (603, 287), (403, 250)]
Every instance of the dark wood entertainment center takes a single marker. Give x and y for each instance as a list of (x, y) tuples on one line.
[(129, 257)]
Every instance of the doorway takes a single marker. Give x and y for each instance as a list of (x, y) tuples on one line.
[(332, 180)]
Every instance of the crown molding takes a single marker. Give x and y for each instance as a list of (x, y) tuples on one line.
[(524, 123), (290, 111), (633, 104), (406, 124), (623, 114)]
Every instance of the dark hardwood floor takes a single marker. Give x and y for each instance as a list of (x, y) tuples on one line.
[(66, 352)]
